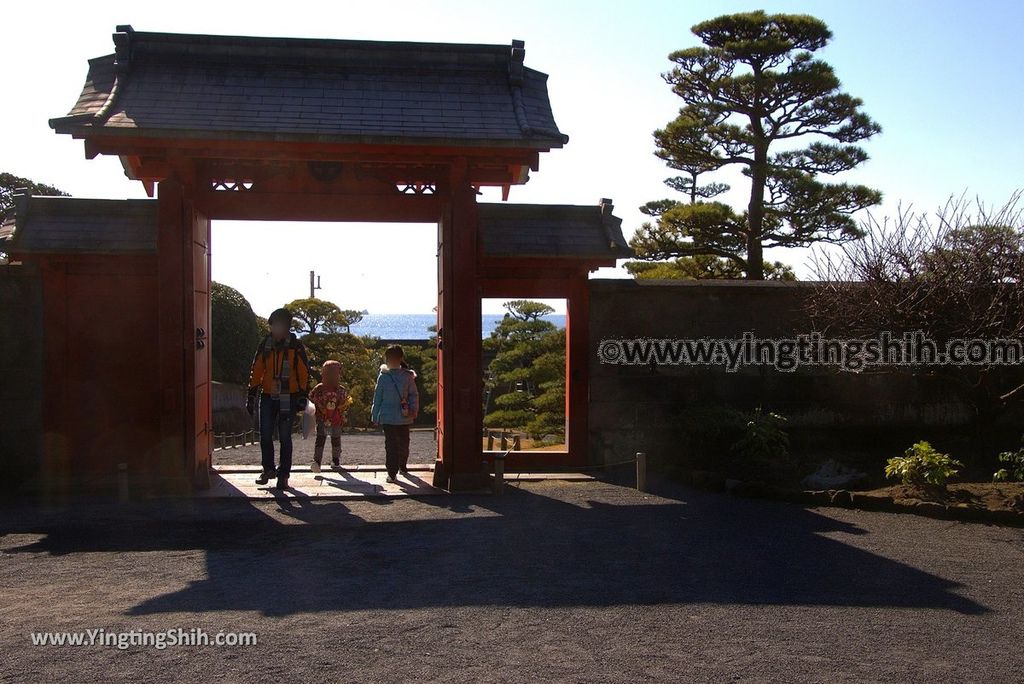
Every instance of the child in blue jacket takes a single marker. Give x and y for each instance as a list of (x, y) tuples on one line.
[(396, 402)]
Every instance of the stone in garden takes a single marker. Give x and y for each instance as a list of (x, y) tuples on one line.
[(833, 475)]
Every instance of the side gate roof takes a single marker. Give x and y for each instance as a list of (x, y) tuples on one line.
[(71, 225)]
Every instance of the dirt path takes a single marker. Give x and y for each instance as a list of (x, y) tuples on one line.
[(582, 582)]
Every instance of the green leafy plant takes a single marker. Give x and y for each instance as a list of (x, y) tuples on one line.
[(921, 464), (763, 438), (761, 452), (1014, 472)]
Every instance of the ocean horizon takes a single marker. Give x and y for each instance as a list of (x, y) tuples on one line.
[(415, 326)]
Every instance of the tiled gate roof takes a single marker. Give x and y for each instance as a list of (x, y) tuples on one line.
[(288, 89)]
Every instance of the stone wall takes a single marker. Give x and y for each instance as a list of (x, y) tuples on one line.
[(638, 408)]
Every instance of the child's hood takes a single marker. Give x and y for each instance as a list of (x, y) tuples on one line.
[(384, 369)]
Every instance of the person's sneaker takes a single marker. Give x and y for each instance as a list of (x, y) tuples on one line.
[(391, 479), (265, 476), (336, 463), (403, 470), (315, 467), (282, 483)]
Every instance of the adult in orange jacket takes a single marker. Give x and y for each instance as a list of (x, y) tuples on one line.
[(280, 370)]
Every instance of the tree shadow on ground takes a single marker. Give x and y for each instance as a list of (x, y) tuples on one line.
[(521, 549)]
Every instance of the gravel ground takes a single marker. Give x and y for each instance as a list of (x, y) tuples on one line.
[(357, 448), (554, 581)]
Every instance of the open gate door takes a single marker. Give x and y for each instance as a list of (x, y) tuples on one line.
[(444, 371), (198, 363)]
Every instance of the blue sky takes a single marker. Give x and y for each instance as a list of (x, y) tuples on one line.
[(942, 78)]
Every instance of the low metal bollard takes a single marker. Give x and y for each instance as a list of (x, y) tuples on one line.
[(641, 471)]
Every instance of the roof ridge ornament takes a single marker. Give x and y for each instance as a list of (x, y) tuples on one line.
[(22, 198), (515, 65), (122, 61), (123, 47), (516, 78), (612, 224), (517, 55)]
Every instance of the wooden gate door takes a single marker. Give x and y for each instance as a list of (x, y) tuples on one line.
[(198, 363), (444, 372)]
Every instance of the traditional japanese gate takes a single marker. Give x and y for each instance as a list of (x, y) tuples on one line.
[(321, 130)]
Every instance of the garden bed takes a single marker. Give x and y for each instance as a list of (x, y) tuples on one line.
[(990, 502), (994, 496)]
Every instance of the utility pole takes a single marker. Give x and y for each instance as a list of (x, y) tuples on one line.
[(313, 288)]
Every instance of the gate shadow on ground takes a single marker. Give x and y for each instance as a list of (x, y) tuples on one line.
[(521, 549)]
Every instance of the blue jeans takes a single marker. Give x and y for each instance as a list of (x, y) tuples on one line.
[(271, 414)]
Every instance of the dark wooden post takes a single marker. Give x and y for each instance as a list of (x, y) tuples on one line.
[(171, 240), (463, 346), (577, 377)]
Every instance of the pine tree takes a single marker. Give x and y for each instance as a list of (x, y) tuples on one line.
[(752, 88)]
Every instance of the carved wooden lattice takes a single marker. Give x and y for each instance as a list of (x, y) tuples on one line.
[(230, 185), (416, 188)]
